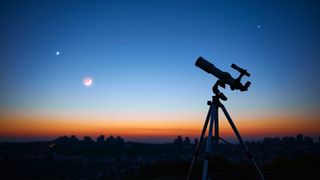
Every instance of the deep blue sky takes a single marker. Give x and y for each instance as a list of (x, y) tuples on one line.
[(141, 55)]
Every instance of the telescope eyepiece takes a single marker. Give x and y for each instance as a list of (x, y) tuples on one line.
[(246, 86)]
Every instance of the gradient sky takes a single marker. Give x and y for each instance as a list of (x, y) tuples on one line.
[(141, 55)]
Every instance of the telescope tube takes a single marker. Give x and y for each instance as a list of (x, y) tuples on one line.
[(211, 69)]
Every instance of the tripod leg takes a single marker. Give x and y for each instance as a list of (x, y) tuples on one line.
[(208, 145), (235, 130), (199, 145), (216, 127)]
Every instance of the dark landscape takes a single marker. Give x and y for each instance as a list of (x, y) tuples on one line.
[(113, 158)]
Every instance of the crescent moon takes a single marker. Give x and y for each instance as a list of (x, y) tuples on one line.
[(87, 81)]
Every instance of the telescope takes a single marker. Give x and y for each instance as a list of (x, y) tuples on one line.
[(212, 119), (225, 77)]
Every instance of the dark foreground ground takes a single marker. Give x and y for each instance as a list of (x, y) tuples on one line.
[(112, 158)]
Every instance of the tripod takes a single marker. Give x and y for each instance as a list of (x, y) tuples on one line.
[(213, 121)]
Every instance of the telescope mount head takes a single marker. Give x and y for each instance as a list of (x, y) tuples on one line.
[(216, 91)]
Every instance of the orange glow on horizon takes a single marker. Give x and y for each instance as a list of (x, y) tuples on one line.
[(20, 126)]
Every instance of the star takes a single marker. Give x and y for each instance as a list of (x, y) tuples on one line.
[(57, 53), (258, 26)]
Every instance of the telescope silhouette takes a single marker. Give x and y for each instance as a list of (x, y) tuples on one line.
[(212, 119)]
